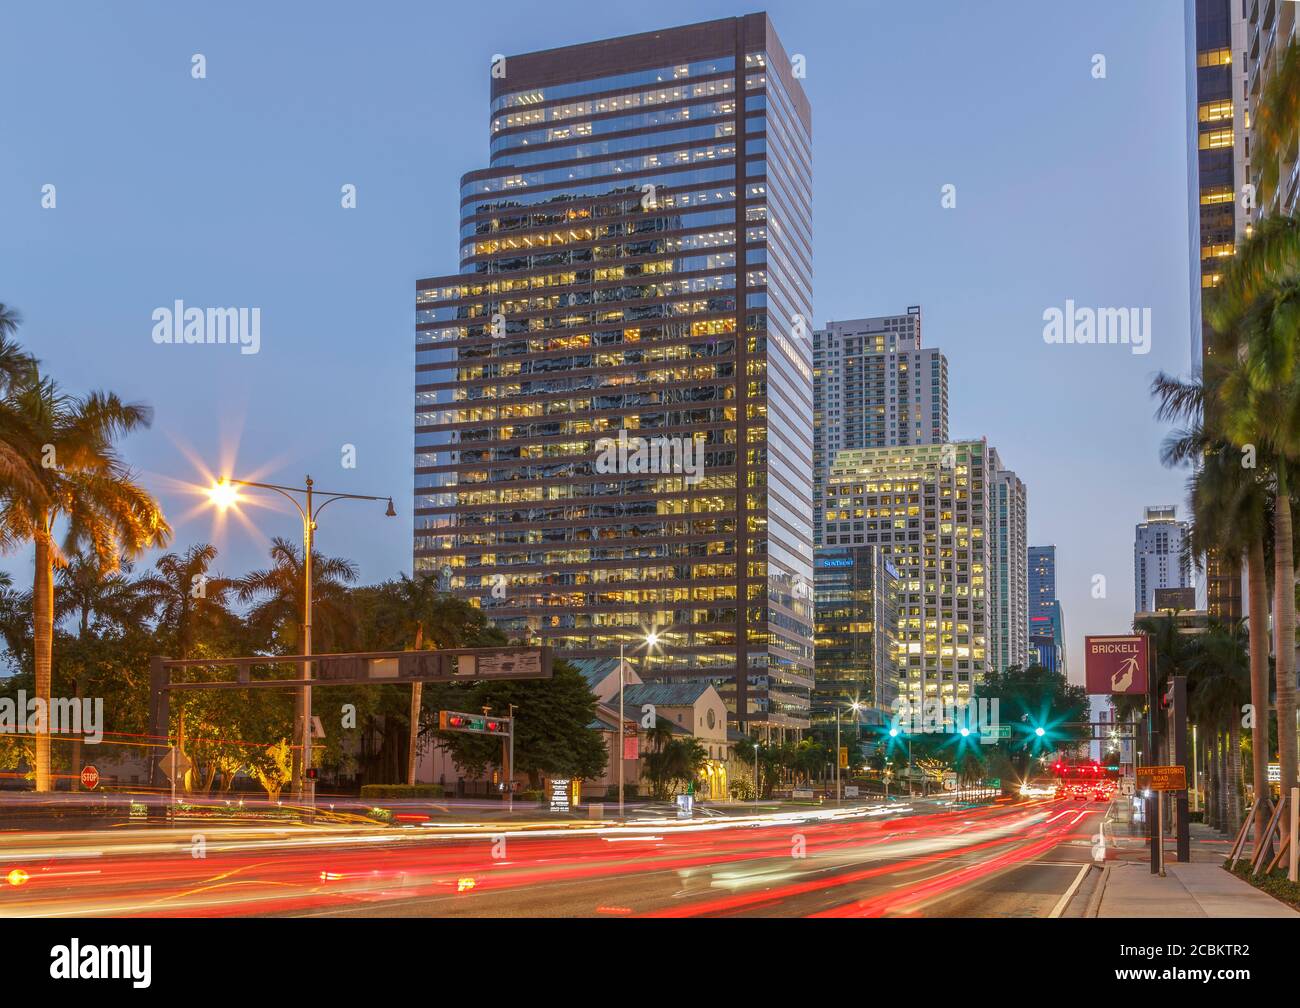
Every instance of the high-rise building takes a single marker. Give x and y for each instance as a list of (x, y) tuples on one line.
[(1010, 638), (1218, 213), (874, 386), (1269, 27), (1158, 558), (1046, 616), (933, 511), (635, 287), (856, 633)]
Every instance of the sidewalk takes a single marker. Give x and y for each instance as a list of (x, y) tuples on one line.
[(1128, 889), (1199, 888)]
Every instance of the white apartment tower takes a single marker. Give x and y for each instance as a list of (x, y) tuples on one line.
[(1158, 557), (935, 512), (874, 386)]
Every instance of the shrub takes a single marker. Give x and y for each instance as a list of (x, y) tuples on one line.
[(401, 791)]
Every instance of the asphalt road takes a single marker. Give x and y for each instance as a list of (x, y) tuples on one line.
[(928, 859)]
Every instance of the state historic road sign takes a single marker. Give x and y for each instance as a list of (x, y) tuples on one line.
[(1162, 778)]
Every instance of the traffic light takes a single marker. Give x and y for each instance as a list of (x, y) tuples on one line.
[(477, 724)]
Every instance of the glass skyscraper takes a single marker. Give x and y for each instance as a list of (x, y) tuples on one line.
[(635, 263), (857, 634), (1046, 617)]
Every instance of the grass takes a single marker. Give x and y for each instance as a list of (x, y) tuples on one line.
[(1276, 884)]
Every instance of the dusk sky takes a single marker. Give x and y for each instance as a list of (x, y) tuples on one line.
[(226, 191)]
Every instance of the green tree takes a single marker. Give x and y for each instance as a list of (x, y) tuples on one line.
[(83, 486), (553, 733), (187, 603), (1218, 685), (276, 596), (1231, 504)]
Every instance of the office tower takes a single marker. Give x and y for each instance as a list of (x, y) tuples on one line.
[(1010, 638), (1218, 214), (1216, 148), (874, 386), (856, 634), (933, 510), (635, 286), (1158, 559), (1046, 616)]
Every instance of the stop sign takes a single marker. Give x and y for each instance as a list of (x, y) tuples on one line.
[(89, 777)]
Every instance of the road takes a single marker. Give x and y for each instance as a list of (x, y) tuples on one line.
[(927, 859)]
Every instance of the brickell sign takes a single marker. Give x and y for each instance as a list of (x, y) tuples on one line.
[(1116, 664)]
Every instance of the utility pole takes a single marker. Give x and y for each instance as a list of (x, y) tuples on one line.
[(417, 692)]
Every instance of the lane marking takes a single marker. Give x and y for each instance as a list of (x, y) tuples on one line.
[(1064, 901)]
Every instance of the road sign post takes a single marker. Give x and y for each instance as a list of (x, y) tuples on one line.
[(1159, 779)]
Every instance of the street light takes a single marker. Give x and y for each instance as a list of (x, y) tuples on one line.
[(855, 707), (651, 641), (893, 733), (224, 494)]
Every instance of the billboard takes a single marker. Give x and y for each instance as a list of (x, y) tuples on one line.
[(1116, 664), (1177, 599)]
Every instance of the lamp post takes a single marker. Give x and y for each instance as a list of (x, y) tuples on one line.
[(855, 707), (224, 494), (651, 639), (893, 733)]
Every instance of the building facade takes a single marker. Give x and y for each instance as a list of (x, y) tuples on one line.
[(1010, 638), (874, 386), (1158, 559), (1218, 213), (1268, 28), (1046, 615), (856, 633), (932, 510), (613, 415)]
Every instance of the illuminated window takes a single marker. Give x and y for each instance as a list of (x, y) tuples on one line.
[(1214, 57), (1214, 139), (1214, 111)]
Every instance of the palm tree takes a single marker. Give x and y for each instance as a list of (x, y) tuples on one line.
[(93, 598), (185, 600), (84, 485), (1230, 506), (17, 369), (1219, 683), (1260, 403), (277, 590)]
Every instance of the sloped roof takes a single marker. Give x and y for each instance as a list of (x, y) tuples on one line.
[(595, 670), (605, 720), (665, 694)]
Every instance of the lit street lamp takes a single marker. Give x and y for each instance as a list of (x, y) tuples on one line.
[(651, 640), (855, 707), (225, 494)]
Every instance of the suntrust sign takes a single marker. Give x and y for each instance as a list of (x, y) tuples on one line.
[(1116, 664)]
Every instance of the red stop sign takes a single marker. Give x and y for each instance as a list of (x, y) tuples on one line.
[(89, 777)]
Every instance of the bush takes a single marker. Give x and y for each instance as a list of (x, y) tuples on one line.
[(401, 791)]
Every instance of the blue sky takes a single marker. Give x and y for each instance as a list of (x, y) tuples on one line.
[(225, 191)]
